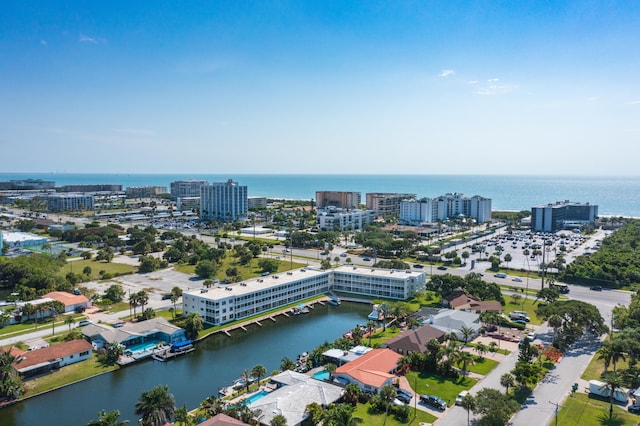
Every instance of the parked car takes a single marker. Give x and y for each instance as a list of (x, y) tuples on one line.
[(366, 259), (166, 296), (434, 401), (460, 396), (404, 395), (500, 275), (635, 409), (531, 336), (519, 321), (343, 254), (595, 288)]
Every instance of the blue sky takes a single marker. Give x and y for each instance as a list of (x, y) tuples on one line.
[(488, 87)]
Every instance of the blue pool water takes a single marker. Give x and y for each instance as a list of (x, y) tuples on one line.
[(142, 347), (253, 398), (321, 375)]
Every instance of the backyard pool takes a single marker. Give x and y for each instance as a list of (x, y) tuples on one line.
[(142, 347), (321, 375), (256, 396)]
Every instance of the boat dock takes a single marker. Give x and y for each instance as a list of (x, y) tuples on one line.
[(166, 354)]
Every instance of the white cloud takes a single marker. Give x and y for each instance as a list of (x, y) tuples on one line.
[(86, 39), (446, 73), (493, 80)]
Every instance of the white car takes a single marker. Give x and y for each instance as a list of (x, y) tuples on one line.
[(460, 396), (517, 279), (531, 336)]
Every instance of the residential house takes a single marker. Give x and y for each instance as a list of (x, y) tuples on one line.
[(70, 301), (44, 360), (371, 371), (154, 330), (468, 303), (222, 420), (452, 321), (295, 391), (414, 340)]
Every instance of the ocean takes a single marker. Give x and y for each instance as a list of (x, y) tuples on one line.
[(615, 196)]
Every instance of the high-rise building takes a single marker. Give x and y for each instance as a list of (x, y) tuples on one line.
[(386, 204), (562, 215), (186, 188), (223, 201), (340, 199), (430, 210)]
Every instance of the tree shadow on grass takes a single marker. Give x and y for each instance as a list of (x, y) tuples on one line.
[(603, 419)]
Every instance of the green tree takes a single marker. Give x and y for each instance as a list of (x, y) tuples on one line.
[(496, 408), (351, 393), (193, 326), (612, 382), (465, 359), (467, 333), (156, 406), (111, 418), (387, 395), (114, 350), (315, 413), (115, 293), (340, 415), (259, 372), (206, 268), (507, 380), (183, 418), (278, 420), (549, 294), (578, 317), (287, 364), (11, 385), (468, 403)]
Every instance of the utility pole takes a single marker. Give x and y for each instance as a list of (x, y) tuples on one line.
[(557, 409), (544, 265)]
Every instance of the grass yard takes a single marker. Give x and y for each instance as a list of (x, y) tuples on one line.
[(482, 366), (596, 367), (251, 270), (433, 384), (67, 375), (77, 266), (371, 419), (381, 336), (31, 326), (527, 305), (580, 410)]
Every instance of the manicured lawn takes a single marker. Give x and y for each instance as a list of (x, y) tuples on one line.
[(77, 266), (527, 305), (31, 325), (251, 270), (381, 336), (596, 367), (362, 411), (433, 384), (482, 366), (67, 375), (580, 410)]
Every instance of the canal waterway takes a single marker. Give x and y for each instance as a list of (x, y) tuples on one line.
[(216, 363)]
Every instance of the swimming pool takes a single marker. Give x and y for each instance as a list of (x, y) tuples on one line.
[(321, 375), (142, 347), (256, 396)]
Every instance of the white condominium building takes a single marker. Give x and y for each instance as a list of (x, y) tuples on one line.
[(332, 218), (225, 303), (224, 201), (186, 188), (430, 210)]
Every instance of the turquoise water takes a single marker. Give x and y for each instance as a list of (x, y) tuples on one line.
[(256, 396), (321, 375), (142, 347), (617, 195)]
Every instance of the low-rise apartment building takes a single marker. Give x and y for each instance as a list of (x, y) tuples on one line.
[(332, 218), (226, 303)]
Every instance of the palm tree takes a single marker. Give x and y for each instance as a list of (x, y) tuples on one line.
[(507, 380), (617, 352), (278, 420), (143, 298), (469, 404), (212, 405), (133, 301), (287, 364), (612, 382), (315, 413), (370, 327), (605, 353), (351, 393), (183, 417), (112, 418), (156, 406), (465, 358), (340, 415), (259, 372), (246, 378), (467, 333), (387, 394), (482, 349), (5, 317), (68, 320)]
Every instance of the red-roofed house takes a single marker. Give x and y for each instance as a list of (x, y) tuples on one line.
[(222, 420), (53, 357), (70, 301), (371, 371), (464, 302)]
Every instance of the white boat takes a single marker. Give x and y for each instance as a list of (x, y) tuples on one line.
[(334, 301), (375, 314)]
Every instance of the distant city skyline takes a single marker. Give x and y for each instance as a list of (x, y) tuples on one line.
[(381, 87)]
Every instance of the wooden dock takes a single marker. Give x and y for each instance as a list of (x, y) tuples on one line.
[(166, 354)]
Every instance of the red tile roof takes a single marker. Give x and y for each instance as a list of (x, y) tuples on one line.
[(67, 299), (51, 353), (221, 420), (372, 368)]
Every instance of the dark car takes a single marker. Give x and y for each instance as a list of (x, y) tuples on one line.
[(166, 296), (366, 259), (419, 266), (595, 288), (403, 397), (434, 401), (442, 268), (634, 409)]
